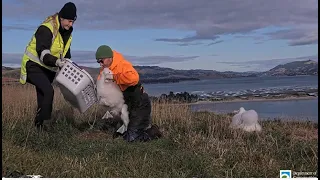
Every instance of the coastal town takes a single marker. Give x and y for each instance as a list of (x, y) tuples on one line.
[(244, 95)]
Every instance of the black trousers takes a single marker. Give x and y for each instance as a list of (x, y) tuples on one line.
[(42, 79), (139, 107)]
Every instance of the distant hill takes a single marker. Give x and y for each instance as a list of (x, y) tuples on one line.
[(308, 67), (8, 72), (7, 68), (155, 74)]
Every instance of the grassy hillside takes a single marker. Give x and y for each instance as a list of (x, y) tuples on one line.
[(194, 144)]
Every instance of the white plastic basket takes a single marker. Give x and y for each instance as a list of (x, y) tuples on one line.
[(77, 86)]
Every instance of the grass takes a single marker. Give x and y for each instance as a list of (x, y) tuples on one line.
[(195, 144)]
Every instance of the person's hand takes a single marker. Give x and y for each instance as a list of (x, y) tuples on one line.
[(60, 63)]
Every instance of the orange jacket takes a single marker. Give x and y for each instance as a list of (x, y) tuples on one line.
[(124, 73)]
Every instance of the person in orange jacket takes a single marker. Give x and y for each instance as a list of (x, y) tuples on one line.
[(139, 104)]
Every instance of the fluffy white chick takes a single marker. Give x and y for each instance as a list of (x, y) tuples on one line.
[(246, 120), (110, 95), (236, 119)]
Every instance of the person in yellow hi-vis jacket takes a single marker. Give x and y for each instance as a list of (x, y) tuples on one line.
[(140, 127), (46, 51)]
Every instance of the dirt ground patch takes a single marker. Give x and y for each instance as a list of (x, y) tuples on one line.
[(94, 135)]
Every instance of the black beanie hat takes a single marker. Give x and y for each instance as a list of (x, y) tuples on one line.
[(69, 11)]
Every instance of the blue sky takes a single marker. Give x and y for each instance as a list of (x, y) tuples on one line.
[(182, 34)]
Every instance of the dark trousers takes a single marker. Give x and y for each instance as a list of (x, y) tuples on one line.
[(139, 107), (42, 79)]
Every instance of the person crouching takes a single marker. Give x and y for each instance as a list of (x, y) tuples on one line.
[(140, 127)]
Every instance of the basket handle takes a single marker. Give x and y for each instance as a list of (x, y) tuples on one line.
[(74, 64)]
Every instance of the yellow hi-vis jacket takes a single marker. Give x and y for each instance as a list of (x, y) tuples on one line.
[(57, 48)]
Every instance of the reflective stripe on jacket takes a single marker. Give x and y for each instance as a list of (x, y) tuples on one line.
[(57, 48)]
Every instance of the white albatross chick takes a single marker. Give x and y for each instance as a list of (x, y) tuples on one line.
[(111, 96), (246, 120)]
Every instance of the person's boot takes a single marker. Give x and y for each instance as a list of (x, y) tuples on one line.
[(46, 125), (116, 135), (37, 121), (130, 135), (154, 132)]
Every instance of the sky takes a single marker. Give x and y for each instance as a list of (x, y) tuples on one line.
[(222, 35)]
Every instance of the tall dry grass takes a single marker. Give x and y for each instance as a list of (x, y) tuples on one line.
[(194, 144)]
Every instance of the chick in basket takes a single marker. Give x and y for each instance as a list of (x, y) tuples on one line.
[(140, 126), (43, 56)]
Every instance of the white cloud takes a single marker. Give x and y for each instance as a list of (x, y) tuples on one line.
[(209, 19), (87, 58)]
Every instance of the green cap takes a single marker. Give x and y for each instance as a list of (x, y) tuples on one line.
[(104, 51)]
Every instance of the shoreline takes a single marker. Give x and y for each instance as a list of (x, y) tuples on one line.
[(255, 100), (245, 100)]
